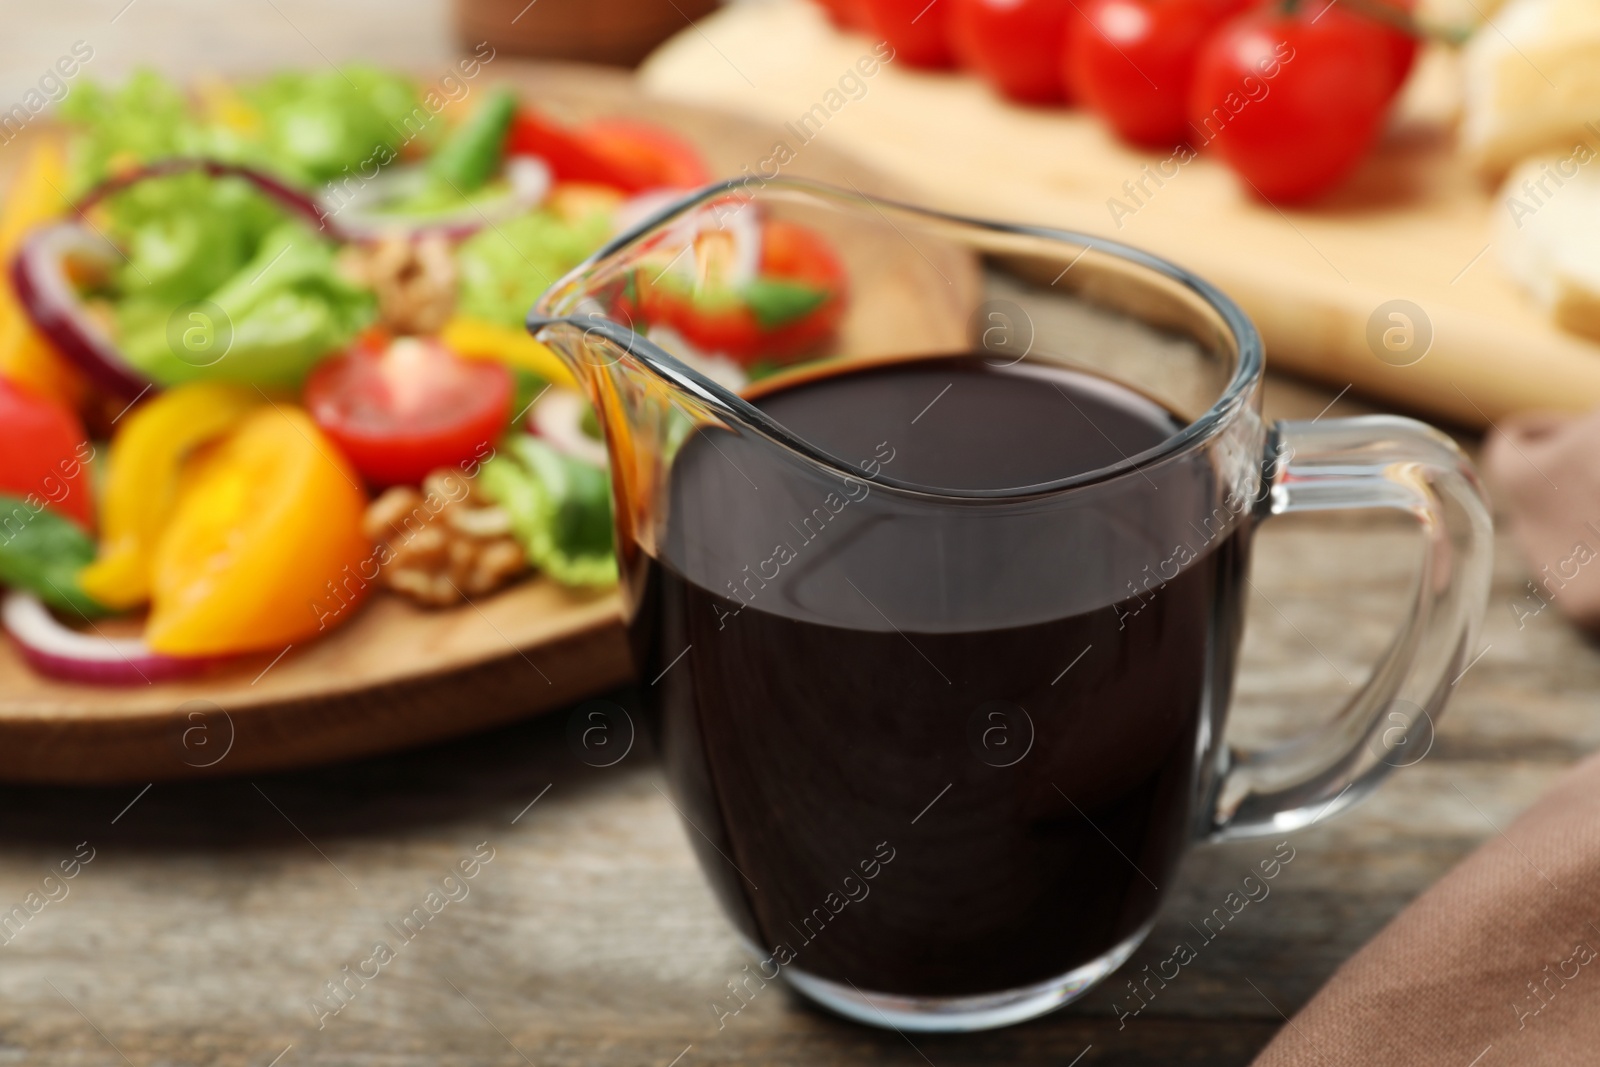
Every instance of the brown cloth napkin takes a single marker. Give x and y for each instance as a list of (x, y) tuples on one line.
[(1498, 964), (1546, 468)]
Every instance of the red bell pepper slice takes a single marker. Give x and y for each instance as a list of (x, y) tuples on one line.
[(626, 155)]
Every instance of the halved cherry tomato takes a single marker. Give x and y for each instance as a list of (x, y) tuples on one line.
[(1134, 62), (265, 548), (1292, 102), (44, 453), (624, 154), (917, 30), (1015, 45), (724, 322), (406, 407)]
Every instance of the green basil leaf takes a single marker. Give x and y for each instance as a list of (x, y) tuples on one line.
[(776, 302), (42, 552)]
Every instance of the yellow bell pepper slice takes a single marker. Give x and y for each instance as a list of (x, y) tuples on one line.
[(145, 468), (476, 339), (26, 357), (265, 548), (35, 196), (32, 362)]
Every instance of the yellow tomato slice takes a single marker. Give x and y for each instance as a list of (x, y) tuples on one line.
[(142, 482), (265, 548)]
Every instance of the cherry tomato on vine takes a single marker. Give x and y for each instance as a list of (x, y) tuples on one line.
[(917, 30), (400, 409), (845, 14), (1292, 103), (1134, 61), (1015, 45), (1400, 45)]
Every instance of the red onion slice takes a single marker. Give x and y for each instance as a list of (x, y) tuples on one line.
[(285, 195), (714, 365), (362, 216), (51, 301), (740, 220), (58, 651), (557, 418)]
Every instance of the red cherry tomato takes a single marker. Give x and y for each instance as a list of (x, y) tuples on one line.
[(626, 155), (404, 408), (1015, 45), (917, 30), (1400, 46), (645, 156), (44, 453), (1292, 103), (845, 14), (729, 328), (1134, 62)]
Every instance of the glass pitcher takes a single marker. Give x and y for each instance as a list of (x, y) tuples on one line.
[(940, 748)]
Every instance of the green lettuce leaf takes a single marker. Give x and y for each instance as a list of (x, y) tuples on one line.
[(186, 235), (306, 127), (316, 124), (506, 268), (281, 312), (147, 119)]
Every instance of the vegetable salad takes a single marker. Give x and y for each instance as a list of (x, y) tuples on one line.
[(262, 357)]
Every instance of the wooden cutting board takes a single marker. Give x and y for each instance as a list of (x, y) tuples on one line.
[(1413, 225), (396, 675)]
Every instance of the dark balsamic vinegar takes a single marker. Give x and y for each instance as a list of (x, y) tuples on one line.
[(1008, 706)]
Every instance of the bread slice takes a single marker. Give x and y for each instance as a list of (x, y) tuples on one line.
[(1548, 235), (1532, 82)]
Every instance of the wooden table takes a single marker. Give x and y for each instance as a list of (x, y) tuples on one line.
[(211, 914)]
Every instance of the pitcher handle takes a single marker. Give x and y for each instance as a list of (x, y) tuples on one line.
[(1371, 462)]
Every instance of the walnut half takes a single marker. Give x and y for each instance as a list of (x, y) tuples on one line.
[(444, 543), (413, 279)]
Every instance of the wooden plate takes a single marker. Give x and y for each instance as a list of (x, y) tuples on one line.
[(398, 675), (1414, 225)]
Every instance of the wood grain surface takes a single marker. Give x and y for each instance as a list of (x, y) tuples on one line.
[(1413, 224), (213, 912)]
